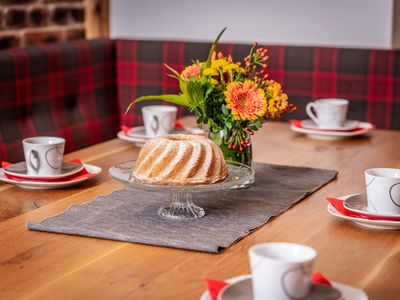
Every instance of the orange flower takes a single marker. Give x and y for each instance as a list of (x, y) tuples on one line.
[(191, 71), (245, 100)]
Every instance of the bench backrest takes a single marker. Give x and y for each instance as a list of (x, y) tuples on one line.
[(67, 90), (370, 79), (80, 90)]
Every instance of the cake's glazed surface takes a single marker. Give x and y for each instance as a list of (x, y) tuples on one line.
[(179, 159)]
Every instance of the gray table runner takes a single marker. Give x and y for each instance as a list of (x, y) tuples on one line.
[(131, 216)]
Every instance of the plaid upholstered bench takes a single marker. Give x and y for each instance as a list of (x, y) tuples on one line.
[(80, 90), (67, 90), (370, 79)]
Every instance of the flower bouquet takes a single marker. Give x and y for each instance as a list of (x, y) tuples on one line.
[(232, 98)]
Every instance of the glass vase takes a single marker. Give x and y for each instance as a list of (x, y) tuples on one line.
[(239, 153)]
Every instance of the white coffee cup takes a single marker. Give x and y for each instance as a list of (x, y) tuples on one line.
[(281, 270), (383, 190), (159, 119), (329, 112), (44, 155)]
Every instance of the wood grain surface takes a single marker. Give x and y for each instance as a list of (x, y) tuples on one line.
[(38, 265)]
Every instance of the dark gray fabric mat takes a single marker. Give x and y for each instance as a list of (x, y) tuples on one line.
[(131, 216)]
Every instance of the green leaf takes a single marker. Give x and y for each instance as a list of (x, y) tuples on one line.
[(183, 87), (224, 110), (195, 94), (253, 127), (173, 76), (208, 63), (208, 91), (176, 73), (176, 99)]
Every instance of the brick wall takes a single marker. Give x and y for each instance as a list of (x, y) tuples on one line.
[(27, 22)]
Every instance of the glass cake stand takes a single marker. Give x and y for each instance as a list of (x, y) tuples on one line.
[(181, 205)]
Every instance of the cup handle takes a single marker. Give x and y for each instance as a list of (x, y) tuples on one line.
[(310, 112), (155, 124), (35, 154), (395, 200)]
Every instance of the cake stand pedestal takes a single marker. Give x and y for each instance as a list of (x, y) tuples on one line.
[(181, 205)]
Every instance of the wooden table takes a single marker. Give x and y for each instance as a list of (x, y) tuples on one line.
[(37, 265)]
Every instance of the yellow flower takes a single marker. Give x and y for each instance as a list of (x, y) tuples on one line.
[(210, 71), (245, 100), (213, 81), (275, 89), (219, 63), (230, 67), (277, 102)]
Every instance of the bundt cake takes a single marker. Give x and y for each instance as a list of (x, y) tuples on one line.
[(179, 159)]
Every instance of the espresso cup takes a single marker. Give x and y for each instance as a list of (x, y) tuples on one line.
[(159, 119), (44, 155), (383, 190), (329, 112), (281, 270)]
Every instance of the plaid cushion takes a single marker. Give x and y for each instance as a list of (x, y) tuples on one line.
[(370, 79), (66, 90), (141, 71)]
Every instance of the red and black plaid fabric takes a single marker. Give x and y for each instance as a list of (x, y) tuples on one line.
[(67, 90), (80, 90), (370, 79), (141, 71)]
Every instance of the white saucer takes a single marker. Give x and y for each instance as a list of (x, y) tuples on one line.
[(358, 204), (19, 170), (47, 185), (348, 292), (242, 290), (375, 224), (137, 135), (348, 125), (318, 134), (138, 142)]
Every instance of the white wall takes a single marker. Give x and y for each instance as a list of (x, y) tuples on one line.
[(342, 23)]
